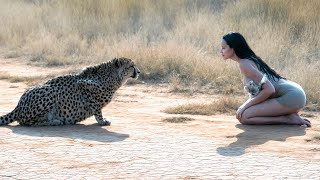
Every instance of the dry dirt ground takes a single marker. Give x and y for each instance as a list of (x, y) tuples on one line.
[(140, 145)]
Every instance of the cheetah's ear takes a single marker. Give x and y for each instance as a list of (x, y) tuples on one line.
[(117, 63)]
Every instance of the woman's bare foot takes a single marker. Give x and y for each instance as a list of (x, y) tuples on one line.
[(299, 121), (307, 120), (308, 123)]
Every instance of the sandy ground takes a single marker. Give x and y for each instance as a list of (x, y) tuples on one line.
[(142, 104)]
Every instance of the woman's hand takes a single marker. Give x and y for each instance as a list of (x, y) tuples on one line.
[(240, 111)]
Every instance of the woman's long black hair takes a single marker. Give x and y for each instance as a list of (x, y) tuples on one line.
[(240, 46)]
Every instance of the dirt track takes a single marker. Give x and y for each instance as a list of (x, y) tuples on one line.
[(139, 145)]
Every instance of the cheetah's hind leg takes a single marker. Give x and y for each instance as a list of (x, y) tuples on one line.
[(43, 120), (49, 119)]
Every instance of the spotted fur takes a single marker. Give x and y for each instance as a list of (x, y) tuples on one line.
[(254, 89), (70, 98)]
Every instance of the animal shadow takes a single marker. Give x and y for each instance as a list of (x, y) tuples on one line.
[(253, 135), (92, 132)]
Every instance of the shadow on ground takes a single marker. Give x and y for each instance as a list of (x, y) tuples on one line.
[(257, 135), (92, 132)]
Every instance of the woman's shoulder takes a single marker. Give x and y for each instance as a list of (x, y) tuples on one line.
[(247, 62), (247, 65)]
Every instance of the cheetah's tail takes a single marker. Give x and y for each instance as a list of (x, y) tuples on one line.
[(8, 118)]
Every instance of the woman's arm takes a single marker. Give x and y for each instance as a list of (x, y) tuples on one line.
[(250, 71)]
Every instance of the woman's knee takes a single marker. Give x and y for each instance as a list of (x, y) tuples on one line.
[(244, 117), (244, 121)]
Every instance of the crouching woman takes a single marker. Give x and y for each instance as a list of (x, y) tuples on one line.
[(278, 101)]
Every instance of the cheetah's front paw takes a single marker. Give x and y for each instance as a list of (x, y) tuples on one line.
[(104, 123)]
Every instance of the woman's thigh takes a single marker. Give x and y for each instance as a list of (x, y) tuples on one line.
[(268, 108)]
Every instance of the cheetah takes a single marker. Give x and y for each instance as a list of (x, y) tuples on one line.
[(72, 98)]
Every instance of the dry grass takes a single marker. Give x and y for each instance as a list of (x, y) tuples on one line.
[(177, 119), (315, 139), (11, 54), (178, 38), (223, 105), (29, 80), (307, 115)]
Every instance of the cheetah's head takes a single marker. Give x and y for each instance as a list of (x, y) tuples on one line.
[(126, 68)]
